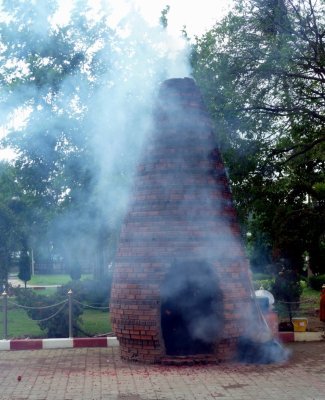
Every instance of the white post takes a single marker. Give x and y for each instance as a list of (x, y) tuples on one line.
[(70, 313), (33, 262), (5, 314)]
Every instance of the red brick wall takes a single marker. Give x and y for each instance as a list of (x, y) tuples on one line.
[(181, 209)]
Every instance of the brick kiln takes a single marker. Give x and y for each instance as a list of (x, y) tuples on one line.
[(181, 284)]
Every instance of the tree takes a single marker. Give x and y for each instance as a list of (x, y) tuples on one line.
[(87, 108), (75, 271), (262, 73), (53, 320), (51, 72), (13, 219), (24, 266)]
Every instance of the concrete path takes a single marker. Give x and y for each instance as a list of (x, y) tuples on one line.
[(99, 373)]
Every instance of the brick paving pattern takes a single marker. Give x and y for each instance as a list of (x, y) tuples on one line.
[(99, 373)]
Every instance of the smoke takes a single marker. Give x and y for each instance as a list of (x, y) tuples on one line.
[(186, 225), (98, 121), (92, 126), (120, 111)]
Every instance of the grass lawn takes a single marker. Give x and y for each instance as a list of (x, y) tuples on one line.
[(94, 322), (46, 291), (20, 325), (309, 293), (58, 279), (309, 300)]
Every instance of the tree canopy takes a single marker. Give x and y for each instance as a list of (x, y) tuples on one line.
[(78, 90), (262, 71)]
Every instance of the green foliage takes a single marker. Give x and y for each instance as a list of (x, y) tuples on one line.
[(261, 71), (49, 279), (261, 276), (45, 69), (20, 325), (14, 219), (96, 322), (287, 286), (75, 271), (260, 250), (53, 279), (24, 266), (54, 320), (67, 78), (315, 282), (97, 292), (287, 290)]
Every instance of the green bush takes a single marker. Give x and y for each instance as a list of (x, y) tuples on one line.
[(53, 320), (75, 271), (287, 286), (96, 292), (287, 290), (315, 282), (92, 292)]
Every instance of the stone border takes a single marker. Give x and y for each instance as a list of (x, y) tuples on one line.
[(69, 343), (287, 337), (64, 343)]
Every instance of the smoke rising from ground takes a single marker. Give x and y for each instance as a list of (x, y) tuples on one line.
[(104, 113)]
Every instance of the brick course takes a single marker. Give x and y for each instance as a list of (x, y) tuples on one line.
[(181, 210)]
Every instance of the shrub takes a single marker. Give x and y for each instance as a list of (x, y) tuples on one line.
[(75, 271), (24, 267), (96, 292), (287, 289), (316, 282), (58, 325)]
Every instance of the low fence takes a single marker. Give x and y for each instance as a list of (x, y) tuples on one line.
[(57, 308), (286, 311)]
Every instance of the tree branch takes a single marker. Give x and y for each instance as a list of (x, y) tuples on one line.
[(282, 111), (304, 149)]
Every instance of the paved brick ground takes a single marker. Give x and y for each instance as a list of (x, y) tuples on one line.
[(99, 373)]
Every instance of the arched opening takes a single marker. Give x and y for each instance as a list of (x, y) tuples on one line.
[(191, 309)]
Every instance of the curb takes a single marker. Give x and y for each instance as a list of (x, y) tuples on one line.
[(288, 337), (70, 343), (64, 343)]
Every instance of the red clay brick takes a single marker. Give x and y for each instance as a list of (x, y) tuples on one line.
[(170, 220)]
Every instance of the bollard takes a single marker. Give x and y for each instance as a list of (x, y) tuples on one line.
[(70, 313), (5, 314)]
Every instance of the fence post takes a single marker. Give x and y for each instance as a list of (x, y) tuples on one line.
[(5, 314), (70, 313)]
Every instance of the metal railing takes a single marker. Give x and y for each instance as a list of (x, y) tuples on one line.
[(58, 307)]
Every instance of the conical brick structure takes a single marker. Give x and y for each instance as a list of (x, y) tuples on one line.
[(181, 284)]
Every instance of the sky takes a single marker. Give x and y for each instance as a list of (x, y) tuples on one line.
[(197, 17)]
